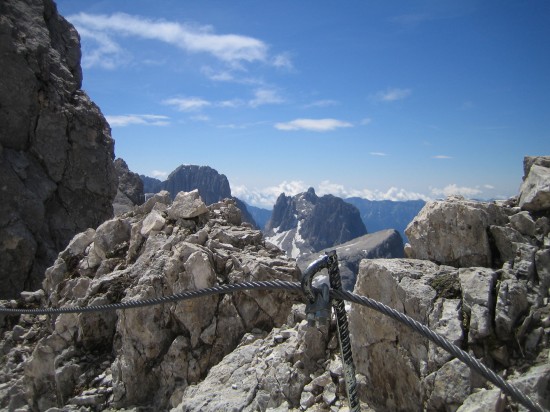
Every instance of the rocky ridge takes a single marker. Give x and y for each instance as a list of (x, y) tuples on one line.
[(481, 278), (306, 223), (56, 152), (142, 356)]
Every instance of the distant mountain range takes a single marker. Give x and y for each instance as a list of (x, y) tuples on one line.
[(387, 214), (372, 215)]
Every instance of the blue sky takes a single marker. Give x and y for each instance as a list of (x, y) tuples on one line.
[(379, 99)]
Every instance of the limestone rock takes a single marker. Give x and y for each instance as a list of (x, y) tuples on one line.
[(477, 286), (393, 358), (56, 164), (454, 232), (535, 189), (153, 353), (187, 205)]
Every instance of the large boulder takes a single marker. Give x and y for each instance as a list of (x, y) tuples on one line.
[(455, 232), (535, 189), (56, 152)]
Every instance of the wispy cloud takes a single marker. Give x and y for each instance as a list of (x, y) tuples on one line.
[(267, 196), (454, 189), (366, 121), (441, 157), (392, 94), (282, 60), (159, 174), (265, 96), (137, 119), (378, 154), (314, 125), (321, 103), (233, 49), (187, 104)]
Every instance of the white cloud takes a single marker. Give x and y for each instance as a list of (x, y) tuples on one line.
[(137, 119), (441, 157), (377, 154), (158, 174), (265, 96), (187, 104), (453, 189), (230, 48), (314, 125), (487, 186), (366, 121), (393, 193), (105, 53), (393, 94), (266, 197), (282, 60)]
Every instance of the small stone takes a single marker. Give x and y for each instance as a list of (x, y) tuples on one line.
[(322, 380), (329, 394), (306, 400), (278, 338)]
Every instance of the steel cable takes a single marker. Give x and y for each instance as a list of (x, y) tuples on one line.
[(439, 340)]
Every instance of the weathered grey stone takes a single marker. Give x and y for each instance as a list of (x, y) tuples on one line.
[(505, 240), (484, 401), (454, 232), (393, 358), (448, 387), (187, 205), (510, 305), (445, 319), (535, 383), (478, 299), (153, 221), (110, 236), (535, 189), (260, 376), (523, 223)]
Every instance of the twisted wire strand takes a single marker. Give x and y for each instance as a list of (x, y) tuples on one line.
[(439, 340)]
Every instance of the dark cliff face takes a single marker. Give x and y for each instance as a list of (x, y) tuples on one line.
[(130, 188), (213, 187), (319, 222), (129, 182), (57, 176)]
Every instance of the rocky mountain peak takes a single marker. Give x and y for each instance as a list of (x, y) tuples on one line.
[(212, 186), (307, 223), (56, 152)]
